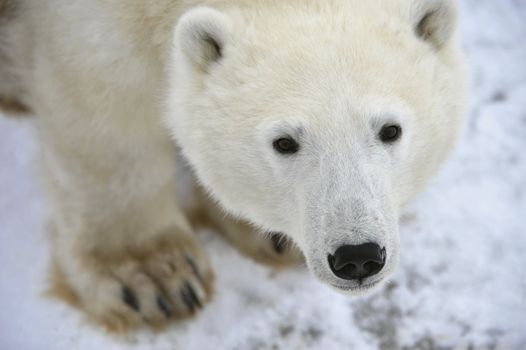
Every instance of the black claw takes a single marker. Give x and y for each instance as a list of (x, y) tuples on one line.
[(164, 306), (130, 299), (278, 242), (187, 299), (193, 295), (193, 266)]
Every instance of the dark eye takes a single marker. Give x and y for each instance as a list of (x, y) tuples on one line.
[(285, 145), (390, 133)]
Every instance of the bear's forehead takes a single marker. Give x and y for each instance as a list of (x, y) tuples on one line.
[(345, 60), (327, 81), (306, 43)]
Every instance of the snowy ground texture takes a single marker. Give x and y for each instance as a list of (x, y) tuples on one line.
[(462, 278)]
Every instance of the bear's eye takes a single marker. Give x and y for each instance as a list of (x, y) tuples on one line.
[(286, 145), (390, 133)]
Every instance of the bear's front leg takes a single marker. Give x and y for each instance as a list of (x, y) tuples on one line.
[(122, 250), (273, 249)]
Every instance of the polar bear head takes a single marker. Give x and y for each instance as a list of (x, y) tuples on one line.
[(318, 119)]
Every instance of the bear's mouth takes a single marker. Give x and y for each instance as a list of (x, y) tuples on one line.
[(358, 288)]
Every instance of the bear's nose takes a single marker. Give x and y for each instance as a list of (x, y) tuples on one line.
[(356, 262)]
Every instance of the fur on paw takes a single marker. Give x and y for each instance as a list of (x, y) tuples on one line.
[(279, 250), (273, 249), (148, 286)]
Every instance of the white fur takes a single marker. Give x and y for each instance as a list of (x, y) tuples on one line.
[(329, 73)]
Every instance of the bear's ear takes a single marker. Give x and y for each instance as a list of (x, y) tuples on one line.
[(201, 35), (435, 20)]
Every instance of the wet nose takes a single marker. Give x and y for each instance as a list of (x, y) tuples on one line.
[(356, 262)]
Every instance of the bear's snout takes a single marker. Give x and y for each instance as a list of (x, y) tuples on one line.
[(356, 262)]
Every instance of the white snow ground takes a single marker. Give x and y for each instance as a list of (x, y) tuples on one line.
[(461, 282)]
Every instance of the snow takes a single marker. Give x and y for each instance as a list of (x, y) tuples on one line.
[(461, 283)]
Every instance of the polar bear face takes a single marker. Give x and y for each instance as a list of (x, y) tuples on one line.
[(319, 120)]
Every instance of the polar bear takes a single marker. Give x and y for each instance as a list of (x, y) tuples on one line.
[(317, 120)]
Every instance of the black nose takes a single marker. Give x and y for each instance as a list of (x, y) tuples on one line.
[(355, 262)]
